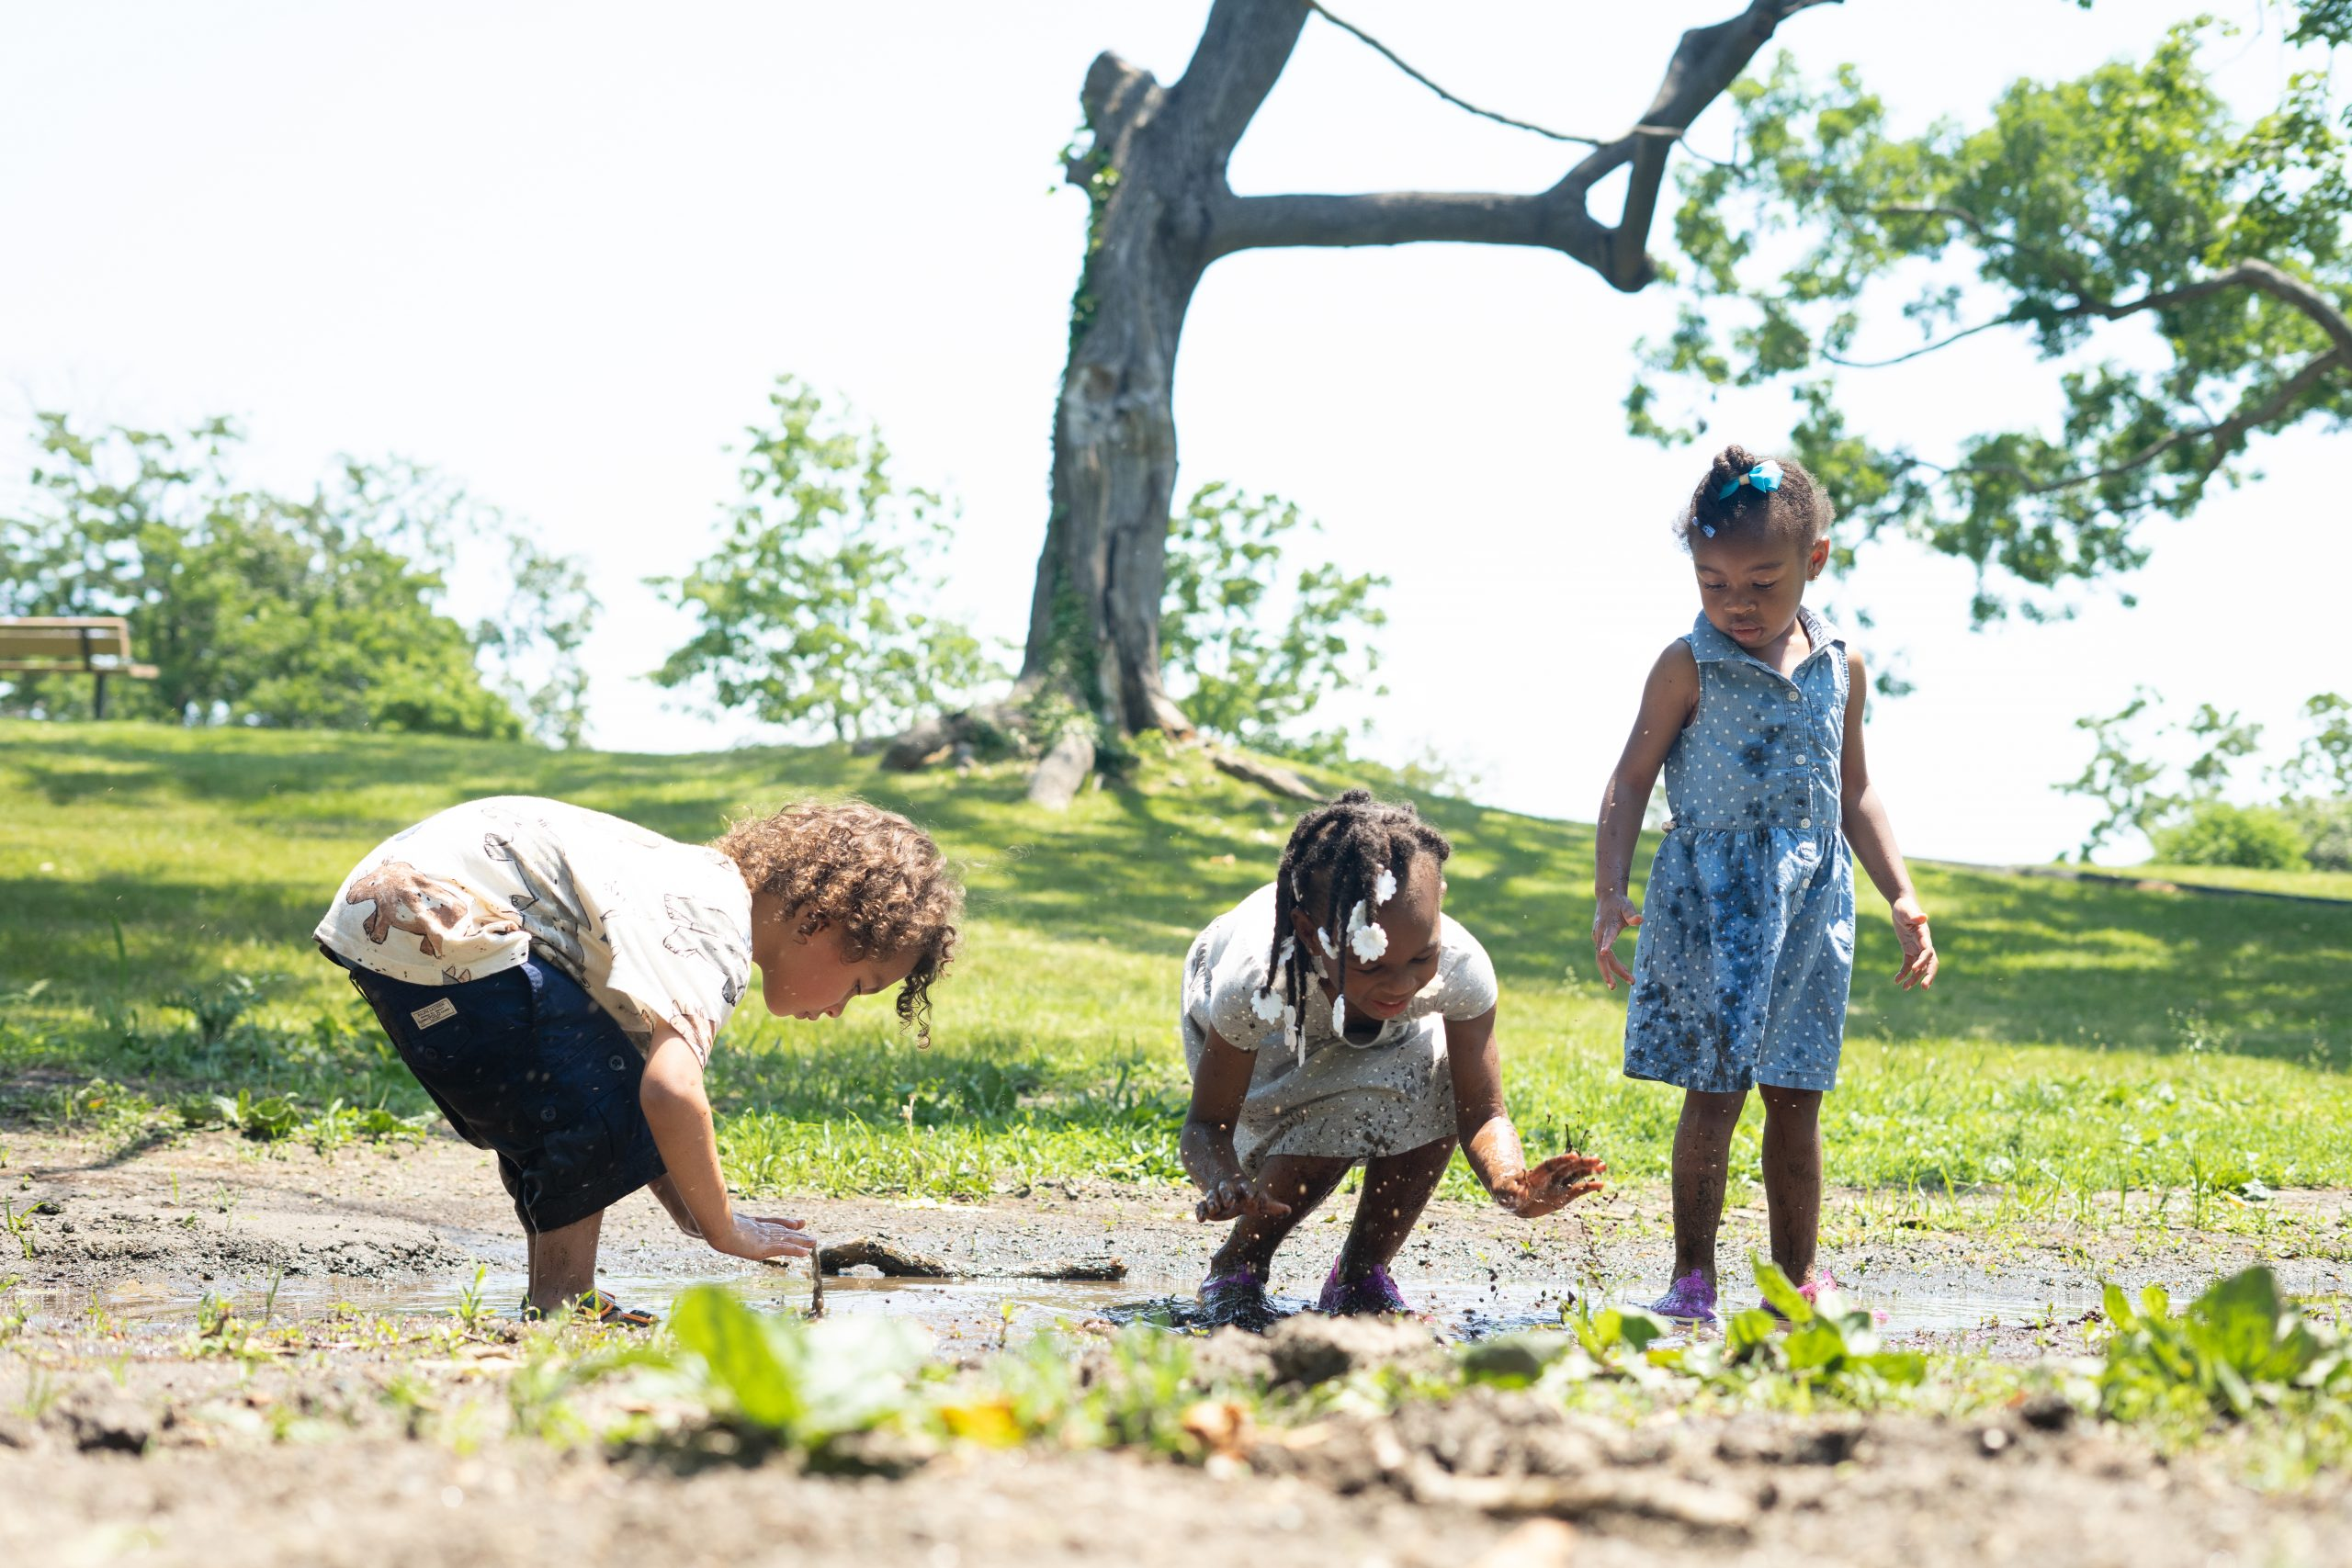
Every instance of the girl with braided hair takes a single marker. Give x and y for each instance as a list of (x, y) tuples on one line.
[(1341, 1017), (1747, 949)]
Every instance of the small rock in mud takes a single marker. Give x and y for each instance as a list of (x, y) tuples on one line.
[(2047, 1413), (16, 1432), (1312, 1348), (98, 1416)]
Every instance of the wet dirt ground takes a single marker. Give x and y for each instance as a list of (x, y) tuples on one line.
[(305, 1461)]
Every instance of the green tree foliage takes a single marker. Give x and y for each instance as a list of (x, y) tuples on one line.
[(2179, 805), (1238, 667), (318, 611), (2185, 274), (803, 608), (2214, 832)]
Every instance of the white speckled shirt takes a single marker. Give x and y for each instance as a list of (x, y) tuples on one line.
[(1348, 1098)]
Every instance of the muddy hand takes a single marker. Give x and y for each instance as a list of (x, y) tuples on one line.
[(1233, 1198), (753, 1236), (1554, 1184), (1612, 916), (1919, 962)]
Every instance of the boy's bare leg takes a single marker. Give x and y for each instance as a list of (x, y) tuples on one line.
[(1300, 1180), (563, 1263), (1701, 1158), (1793, 1176), (1397, 1188)]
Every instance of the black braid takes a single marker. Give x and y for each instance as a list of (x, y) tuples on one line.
[(1340, 851)]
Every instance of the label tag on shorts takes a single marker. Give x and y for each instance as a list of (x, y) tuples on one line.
[(428, 1017)]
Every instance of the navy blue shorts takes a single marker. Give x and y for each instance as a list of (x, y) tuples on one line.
[(525, 1064)]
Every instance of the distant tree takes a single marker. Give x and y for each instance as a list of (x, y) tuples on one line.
[(2186, 276), (259, 608), (1242, 668), (2166, 779), (803, 608)]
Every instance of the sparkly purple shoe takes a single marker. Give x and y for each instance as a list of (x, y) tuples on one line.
[(1811, 1291), (1374, 1295), (1236, 1300), (1688, 1300)]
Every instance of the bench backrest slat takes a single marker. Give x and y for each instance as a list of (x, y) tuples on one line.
[(74, 641)]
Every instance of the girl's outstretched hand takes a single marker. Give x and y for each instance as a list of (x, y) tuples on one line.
[(1554, 1184), (1233, 1198), (1919, 947), (1611, 916)]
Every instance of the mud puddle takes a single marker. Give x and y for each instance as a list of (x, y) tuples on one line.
[(967, 1311)]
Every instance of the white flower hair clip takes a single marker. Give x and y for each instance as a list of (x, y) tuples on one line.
[(1267, 1006), (1366, 939), (1384, 887), (1323, 941), (1339, 1020)]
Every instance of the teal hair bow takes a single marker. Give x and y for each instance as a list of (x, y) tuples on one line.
[(1764, 476)]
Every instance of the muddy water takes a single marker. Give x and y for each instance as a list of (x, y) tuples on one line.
[(977, 1311)]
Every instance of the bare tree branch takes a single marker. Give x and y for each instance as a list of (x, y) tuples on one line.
[(1705, 62), (1243, 48), (2226, 433), (2253, 273), (1394, 59), (1398, 218), (1924, 348)]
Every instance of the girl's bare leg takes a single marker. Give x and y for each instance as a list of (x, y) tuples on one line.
[(1793, 1176), (563, 1263), (1300, 1180), (1701, 1157), (1397, 1188)]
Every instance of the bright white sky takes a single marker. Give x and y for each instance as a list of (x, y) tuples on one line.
[(560, 251)]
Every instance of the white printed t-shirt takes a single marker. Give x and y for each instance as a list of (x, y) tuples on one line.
[(651, 928), (1353, 1098)]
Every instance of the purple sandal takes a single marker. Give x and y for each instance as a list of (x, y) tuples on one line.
[(1688, 1300), (1238, 1299), (1374, 1295)]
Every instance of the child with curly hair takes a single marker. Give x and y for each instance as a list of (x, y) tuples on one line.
[(1340, 1016), (1747, 950), (555, 979)]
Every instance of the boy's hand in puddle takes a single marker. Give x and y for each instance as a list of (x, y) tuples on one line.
[(1551, 1186), (1233, 1198), (762, 1236)]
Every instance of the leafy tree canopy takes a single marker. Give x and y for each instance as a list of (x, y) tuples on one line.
[(1241, 668), (2133, 194), (317, 611), (803, 607)]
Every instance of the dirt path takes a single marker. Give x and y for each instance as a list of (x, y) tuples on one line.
[(369, 1440)]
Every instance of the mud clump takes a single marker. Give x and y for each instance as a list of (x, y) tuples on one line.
[(98, 1417), (1311, 1349)]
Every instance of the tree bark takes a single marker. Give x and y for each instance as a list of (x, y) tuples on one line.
[(1161, 210)]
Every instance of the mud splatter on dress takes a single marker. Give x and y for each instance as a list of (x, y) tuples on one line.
[(1745, 950), (1373, 1092)]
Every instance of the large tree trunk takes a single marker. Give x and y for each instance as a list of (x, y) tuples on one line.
[(1161, 211)]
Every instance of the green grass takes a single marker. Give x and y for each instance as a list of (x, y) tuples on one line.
[(2252, 879), (2086, 1038)]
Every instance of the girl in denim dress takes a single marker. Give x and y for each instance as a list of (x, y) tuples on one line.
[(1747, 945)]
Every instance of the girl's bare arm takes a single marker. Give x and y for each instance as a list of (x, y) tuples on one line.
[(1668, 698), (1206, 1144), (1490, 1143), (1873, 837)]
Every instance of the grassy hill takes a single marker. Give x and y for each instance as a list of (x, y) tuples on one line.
[(2085, 1039)]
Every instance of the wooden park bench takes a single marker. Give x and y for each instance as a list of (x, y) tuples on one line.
[(96, 646)]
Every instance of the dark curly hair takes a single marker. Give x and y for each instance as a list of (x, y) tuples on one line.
[(869, 874), (1334, 858), (1797, 510)]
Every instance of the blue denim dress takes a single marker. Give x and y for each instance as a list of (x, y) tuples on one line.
[(1746, 945)]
